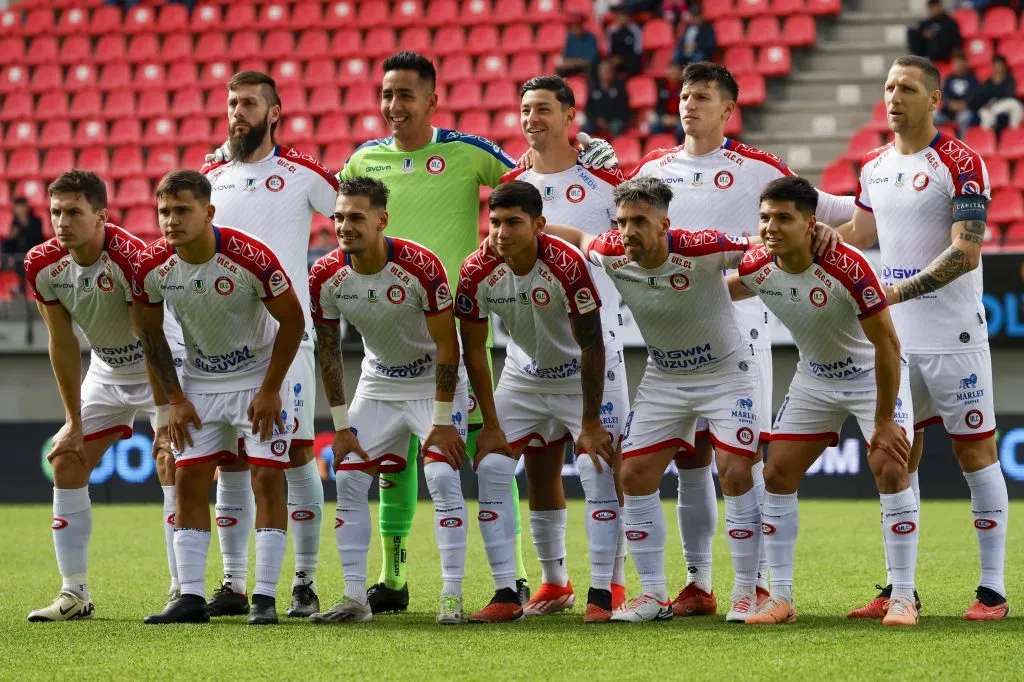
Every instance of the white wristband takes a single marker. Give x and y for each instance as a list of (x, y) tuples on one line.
[(339, 413), (161, 416), (442, 413)]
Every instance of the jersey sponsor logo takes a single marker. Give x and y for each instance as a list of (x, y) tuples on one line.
[(878, 181), (769, 292), (172, 287), (767, 529), (303, 515), (58, 523), (607, 408), (920, 181), (275, 183), (585, 300), (226, 521), (974, 419), (118, 356), (464, 303), (819, 298), (504, 300), (745, 404), (563, 371), (604, 515), (679, 281), (105, 283), (723, 180), (486, 515), (224, 286), (199, 287), (841, 369), (450, 522), (549, 193), (233, 361), (969, 393), (636, 535), (381, 167), (436, 165), (411, 370), (904, 527), (970, 382), (898, 273), (745, 437), (575, 193), (985, 524), (541, 297), (396, 294), (683, 358), (278, 282)]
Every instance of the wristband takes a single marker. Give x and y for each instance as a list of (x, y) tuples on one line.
[(161, 416), (339, 414), (442, 413)]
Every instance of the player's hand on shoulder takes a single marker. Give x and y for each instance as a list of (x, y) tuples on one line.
[(179, 416), (265, 413), (526, 160), (890, 438), (490, 440), (221, 154), (596, 443), (596, 152), (69, 440), (345, 443), (445, 439), (825, 238)]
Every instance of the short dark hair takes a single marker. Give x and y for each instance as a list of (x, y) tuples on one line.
[(645, 188), (709, 72), (83, 182), (792, 188), (555, 84), (998, 58), (269, 85), (363, 186), (185, 180), (19, 200), (412, 61), (932, 79), (517, 194)]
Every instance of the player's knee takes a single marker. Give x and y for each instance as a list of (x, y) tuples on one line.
[(443, 482), (974, 455), (496, 472), (165, 468), (889, 474), (777, 480), (635, 476), (268, 482), (69, 470), (353, 485), (734, 474)]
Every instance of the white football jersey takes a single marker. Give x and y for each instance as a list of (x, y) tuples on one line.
[(582, 197), (274, 199), (543, 355), (229, 335), (720, 190), (822, 308), (682, 307), (97, 298), (389, 309), (911, 196)]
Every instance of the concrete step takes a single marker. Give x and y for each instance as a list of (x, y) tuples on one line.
[(890, 31), (836, 91), (799, 151), (813, 119), (913, 8), (869, 59)]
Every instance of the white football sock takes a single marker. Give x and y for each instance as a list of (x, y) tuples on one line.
[(497, 517), (72, 527), (990, 506), (757, 472), (602, 520), (780, 522), (236, 517), (352, 530), (915, 485), (190, 549), (270, 544), (548, 531), (900, 518), (619, 570), (170, 505), (450, 520), (743, 529), (645, 532), (306, 516), (697, 512)]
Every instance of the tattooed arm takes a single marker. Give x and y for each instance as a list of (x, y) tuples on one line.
[(962, 256), (148, 321), (586, 329), (328, 338), (441, 327)]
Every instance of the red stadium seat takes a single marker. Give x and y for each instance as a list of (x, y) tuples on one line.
[(16, 77), (734, 126), (839, 178), (456, 68), (320, 71), (443, 13), (509, 11), (416, 39), (999, 22), (359, 98), (194, 155), (506, 126), (196, 129), (492, 66), (774, 61), (551, 38), (408, 13), (483, 39), (56, 133), (162, 160), (580, 90), (799, 30), (751, 8), (42, 50), (500, 94), (514, 38), (476, 12), (336, 154), (476, 123), (380, 41), (115, 76), (979, 52), (214, 75), (312, 44), (740, 59), (339, 14), (19, 105), (75, 50), (24, 163), (211, 46), (753, 91), (1014, 237), (368, 127), (346, 43), (105, 20), (464, 96), (524, 66), (642, 91), (998, 172), (176, 46), (39, 22), (333, 127), (172, 17), (20, 134), (661, 141), (96, 159), (729, 32), (354, 71), (33, 190), (325, 99), (206, 17), (628, 149), (862, 142), (47, 77), (449, 40), (119, 104), (279, 44), (90, 132), (245, 45), (150, 76), (10, 24), (111, 48), (241, 15), (306, 15), (51, 105), (444, 119), (297, 129), (544, 11), (183, 74), (287, 72), (968, 21), (879, 121), (73, 21), (1011, 144), (141, 222), (824, 7), (718, 9), (982, 141), (186, 102), (659, 63), (133, 192), (372, 15), (153, 103), (275, 16), (658, 33), (294, 99), (125, 131), (1007, 206), (80, 77), (13, 50), (785, 8), (140, 19)]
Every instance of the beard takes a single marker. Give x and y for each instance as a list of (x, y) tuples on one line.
[(244, 144)]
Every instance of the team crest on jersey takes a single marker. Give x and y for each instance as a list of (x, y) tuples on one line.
[(371, 296), (723, 180), (105, 283), (920, 181), (652, 282), (407, 165), (224, 286), (899, 179), (250, 185), (794, 294), (818, 297), (199, 286), (549, 193), (396, 294), (679, 281), (698, 179), (524, 298), (541, 297), (575, 193), (436, 165), (87, 284), (275, 183)]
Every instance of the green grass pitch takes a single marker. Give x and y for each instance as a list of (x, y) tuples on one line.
[(839, 558)]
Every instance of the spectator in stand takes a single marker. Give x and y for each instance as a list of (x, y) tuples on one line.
[(937, 36), (698, 43), (959, 95), (625, 43), (581, 52), (1000, 107), (677, 11), (26, 232), (608, 104), (667, 110)]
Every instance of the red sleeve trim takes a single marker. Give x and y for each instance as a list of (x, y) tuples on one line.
[(511, 175), (149, 259), (873, 311), (123, 248), (569, 267), (475, 269), (38, 259), (309, 162), (850, 267), (704, 242), (874, 154), (965, 166), (755, 258), (323, 269), (211, 166), (858, 204), (652, 155), (252, 254), (745, 150), (426, 267), (613, 177), (607, 244)]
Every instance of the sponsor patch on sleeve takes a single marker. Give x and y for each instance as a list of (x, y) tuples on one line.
[(585, 300), (277, 283)]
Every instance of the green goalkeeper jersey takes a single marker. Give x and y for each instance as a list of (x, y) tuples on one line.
[(435, 190)]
